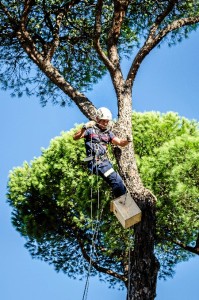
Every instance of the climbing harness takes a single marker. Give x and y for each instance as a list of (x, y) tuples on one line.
[(97, 151)]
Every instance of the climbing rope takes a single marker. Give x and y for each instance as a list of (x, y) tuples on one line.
[(129, 266), (129, 275), (95, 230)]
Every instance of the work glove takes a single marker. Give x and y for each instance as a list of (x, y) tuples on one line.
[(89, 124), (129, 138)]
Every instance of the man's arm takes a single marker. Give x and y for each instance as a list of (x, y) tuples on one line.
[(79, 134), (121, 142)]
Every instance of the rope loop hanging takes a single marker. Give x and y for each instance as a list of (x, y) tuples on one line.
[(95, 230)]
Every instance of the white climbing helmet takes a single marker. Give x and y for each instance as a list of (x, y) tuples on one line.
[(104, 113)]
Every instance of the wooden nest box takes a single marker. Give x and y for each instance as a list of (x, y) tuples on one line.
[(126, 210)]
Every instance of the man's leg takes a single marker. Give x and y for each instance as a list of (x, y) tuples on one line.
[(106, 171)]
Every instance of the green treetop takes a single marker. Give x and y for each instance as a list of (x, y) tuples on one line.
[(51, 200)]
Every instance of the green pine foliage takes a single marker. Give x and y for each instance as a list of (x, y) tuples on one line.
[(76, 57), (54, 210), (167, 156)]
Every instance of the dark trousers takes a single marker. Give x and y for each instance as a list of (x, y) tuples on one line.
[(113, 179)]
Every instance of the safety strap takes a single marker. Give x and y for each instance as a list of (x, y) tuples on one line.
[(98, 158)]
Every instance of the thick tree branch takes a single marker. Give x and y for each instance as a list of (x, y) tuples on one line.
[(162, 16), (112, 61), (55, 42), (90, 260), (47, 16), (194, 250), (83, 239), (27, 7), (153, 41), (56, 29), (83, 103), (176, 25), (85, 106), (50, 48), (97, 35), (120, 8)]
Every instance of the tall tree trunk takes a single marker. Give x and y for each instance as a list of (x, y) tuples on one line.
[(143, 267)]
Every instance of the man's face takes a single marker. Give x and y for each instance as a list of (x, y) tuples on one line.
[(102, 123)]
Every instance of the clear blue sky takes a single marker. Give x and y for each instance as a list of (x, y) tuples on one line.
[(167, 81)]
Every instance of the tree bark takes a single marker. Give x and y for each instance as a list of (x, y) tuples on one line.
[(143, 265)]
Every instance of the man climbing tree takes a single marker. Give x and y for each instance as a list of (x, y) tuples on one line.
[(62, 49), (97, 136)]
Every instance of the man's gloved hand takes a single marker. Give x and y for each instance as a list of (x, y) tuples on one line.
[(129, 138), (89, 124)]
